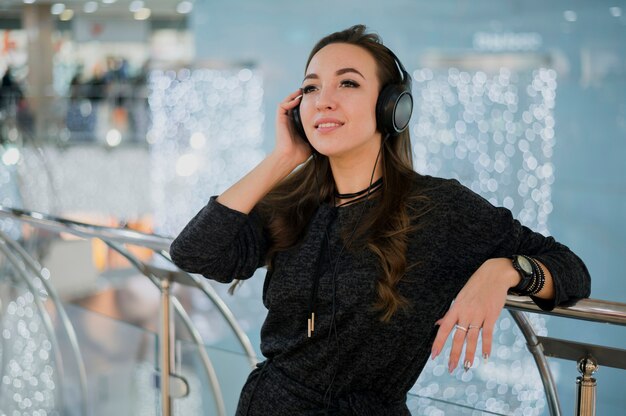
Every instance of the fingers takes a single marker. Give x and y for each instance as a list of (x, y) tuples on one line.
[(445, 326), (290, 102), (471, 340), (457, 346), (462, 334), (488, 326)]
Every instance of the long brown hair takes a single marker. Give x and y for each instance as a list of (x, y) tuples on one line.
[(288, 207)]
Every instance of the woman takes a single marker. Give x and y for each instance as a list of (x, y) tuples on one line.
[(364, 255)]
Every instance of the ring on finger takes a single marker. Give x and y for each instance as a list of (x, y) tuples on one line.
[(474, 326), (462, 328)]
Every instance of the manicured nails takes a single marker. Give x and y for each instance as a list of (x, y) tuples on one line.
[(450, 367), (434, 354), (467, 365), (485, 357)]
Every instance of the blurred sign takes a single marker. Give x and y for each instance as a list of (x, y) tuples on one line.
[(110, 30), (507, 41)]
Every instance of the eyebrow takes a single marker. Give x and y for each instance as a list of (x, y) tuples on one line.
[(338, 72)]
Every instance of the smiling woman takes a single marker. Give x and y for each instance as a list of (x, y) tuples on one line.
[(364, 255)]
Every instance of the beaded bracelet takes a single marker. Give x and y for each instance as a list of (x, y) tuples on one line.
[(539, 277)]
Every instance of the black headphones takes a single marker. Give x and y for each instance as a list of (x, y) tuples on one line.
[(393, 107)]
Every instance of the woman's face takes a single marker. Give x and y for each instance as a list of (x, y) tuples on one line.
[(338, 107)]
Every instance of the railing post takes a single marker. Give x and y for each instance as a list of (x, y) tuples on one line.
[(166, 350), (586, 387)]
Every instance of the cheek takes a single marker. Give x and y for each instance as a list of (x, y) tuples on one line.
[(307, 113)]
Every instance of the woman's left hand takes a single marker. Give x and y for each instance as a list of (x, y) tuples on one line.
[(476, 308)]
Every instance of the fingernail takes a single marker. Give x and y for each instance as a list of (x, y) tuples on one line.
[(485, 357), (467, 365), (450, 367), (434, 354), (299, 96)]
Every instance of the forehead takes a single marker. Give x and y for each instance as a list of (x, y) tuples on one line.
[(342, 55)]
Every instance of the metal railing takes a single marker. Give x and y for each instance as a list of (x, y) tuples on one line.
[(172, 385), (587, 356)]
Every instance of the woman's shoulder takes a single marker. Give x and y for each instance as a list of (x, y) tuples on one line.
[(436, 188)]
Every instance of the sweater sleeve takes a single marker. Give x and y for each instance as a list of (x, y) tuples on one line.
[(221, 243), (493, 232)]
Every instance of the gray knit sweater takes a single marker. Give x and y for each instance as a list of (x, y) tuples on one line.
[(374, 364)]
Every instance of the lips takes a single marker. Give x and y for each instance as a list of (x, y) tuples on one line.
[(327, 124)]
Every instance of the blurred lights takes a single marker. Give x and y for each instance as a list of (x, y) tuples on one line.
[(187, 165), (26, 354), (67, 14), (29, 1), (11, 156), (615, 11), (244, 75), (108, 1), (142, 14), (494, 129), (184, 7), (90, 7), (570, 15), (57, 8), (113, 137), (135, 5), (197, 140), (209, 136)]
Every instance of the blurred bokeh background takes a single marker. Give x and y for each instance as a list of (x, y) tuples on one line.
[(133, 113)]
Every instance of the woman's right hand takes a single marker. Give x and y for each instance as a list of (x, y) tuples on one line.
[(289, 144)]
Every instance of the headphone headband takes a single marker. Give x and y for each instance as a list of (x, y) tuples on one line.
[(406, 77)]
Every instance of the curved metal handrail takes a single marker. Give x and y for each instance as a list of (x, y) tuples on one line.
[(159, 244), (58, 224), (594, 310), (534, 346), (583, 309), (195, 334)]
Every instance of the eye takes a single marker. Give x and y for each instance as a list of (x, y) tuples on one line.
[(307, 89), (349, 83)]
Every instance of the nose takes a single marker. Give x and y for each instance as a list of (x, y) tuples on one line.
[(326, 100)]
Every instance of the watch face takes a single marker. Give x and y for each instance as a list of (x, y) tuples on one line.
[(524, 263)]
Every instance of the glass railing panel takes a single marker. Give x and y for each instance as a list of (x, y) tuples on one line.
[(428, 406), (120, 361), (31, 366)]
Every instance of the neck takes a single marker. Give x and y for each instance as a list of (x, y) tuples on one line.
[(354, 174)]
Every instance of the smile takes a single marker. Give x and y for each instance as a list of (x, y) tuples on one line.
[(327, 125)]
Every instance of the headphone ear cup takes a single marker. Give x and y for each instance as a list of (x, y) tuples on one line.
[(393, 109), (297, 122)]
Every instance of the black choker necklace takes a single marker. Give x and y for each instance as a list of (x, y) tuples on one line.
[(373, 187)]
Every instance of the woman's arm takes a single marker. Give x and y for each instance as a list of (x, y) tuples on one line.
[(493, 233)]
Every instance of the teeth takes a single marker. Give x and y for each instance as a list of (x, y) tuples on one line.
[(324, 125)]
